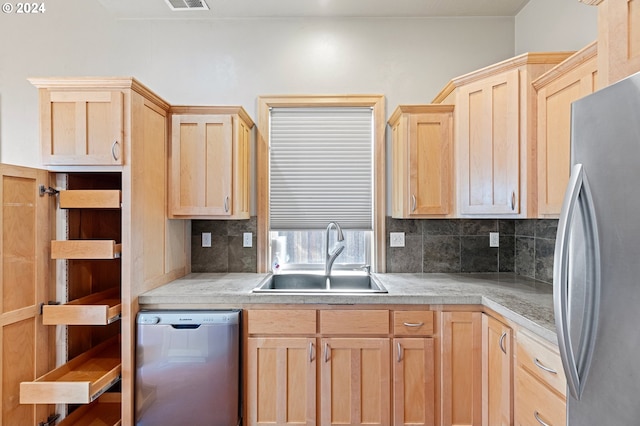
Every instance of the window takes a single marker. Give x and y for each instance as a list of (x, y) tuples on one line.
[(320, 159)]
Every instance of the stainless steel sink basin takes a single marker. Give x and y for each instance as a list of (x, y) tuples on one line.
[(301, 283)]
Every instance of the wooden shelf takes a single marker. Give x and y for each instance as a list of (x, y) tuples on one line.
[(96, 309), (79, 381), (105, 411), (85, 249), (90, 199)]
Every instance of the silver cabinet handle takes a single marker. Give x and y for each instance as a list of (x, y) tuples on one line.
[(310, 351), (414, 203), (535, 414), (226, 204), (399, 352), (544, 367), (114, 152), (413, 324), (326, 352), (577, 198), (501, 342), (513, 200)]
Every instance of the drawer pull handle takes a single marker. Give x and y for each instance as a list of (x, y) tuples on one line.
[(544, 367), (413, 324), (399, 352), (535, 414), (501, 343), (310, 351), (326, 352)]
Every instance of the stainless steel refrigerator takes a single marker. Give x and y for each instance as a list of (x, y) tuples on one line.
[(597, 260)]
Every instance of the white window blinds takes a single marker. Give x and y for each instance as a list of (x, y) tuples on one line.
[(321, 167)]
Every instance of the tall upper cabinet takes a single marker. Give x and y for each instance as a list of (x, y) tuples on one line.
[(557, 89), (495, 135), (209, 162), (103, 238), (618, 39)]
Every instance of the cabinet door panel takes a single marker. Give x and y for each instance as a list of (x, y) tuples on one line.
[(488, 129), (281, 381), (82, 128), (413, 382), (201, 157), (355, 387), (461, 368), (497, 376), (24, 216)]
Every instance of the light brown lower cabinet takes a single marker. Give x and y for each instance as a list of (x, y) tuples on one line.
[(461, 364), (413, 381), (355, 381), (281, 380), (497, 378), (540, 383)]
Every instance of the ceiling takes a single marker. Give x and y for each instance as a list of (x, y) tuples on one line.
[(231, 9)]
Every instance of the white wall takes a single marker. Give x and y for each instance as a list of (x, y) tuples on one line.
[(234, 61), (546, 25)]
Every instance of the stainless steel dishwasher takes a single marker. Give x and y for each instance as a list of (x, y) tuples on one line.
[(188, 368)]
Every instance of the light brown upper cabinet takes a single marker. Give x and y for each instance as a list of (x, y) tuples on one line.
[(422, 149), (209, 163), (618, 39), (569, 81), (81, 126), (495, 135)]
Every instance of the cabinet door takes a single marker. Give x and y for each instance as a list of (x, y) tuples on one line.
[(281, 381), (461, 363), (82, 128), (554, 133), (242, 170), (497, 382), (355, 387), (201, 165), (430, 161), (618, 39), (26, 344), (413, 382), (489, 147)]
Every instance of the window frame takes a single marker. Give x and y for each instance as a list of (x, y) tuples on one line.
[(376, 102)]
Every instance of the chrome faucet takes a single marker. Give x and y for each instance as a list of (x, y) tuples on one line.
[(331, 256)]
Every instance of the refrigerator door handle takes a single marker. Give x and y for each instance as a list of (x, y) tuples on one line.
[(577, 200)]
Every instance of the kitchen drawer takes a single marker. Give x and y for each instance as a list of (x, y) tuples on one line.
[(79, 381), (354, 322), (95, 309), (85, 249), (104, 411), (534, 400), (90, 199), (541, 360), (282, 321), (413, 323)]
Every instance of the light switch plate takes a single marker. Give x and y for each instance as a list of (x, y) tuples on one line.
[(247, 239), (494, 239), (206, 239), (396, 239)]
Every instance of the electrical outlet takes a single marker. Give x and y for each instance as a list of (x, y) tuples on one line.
[(206, 239), (396, 239), (494, 239), (247, 239)]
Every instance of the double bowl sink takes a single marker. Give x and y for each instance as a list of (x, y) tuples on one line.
[(314, 283)]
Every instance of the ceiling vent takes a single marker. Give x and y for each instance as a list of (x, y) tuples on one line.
[(180, 5)]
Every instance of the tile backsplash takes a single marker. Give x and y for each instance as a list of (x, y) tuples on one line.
[(431, 245), (462, 245)]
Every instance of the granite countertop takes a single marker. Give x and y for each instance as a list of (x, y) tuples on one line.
[(526, 302)]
